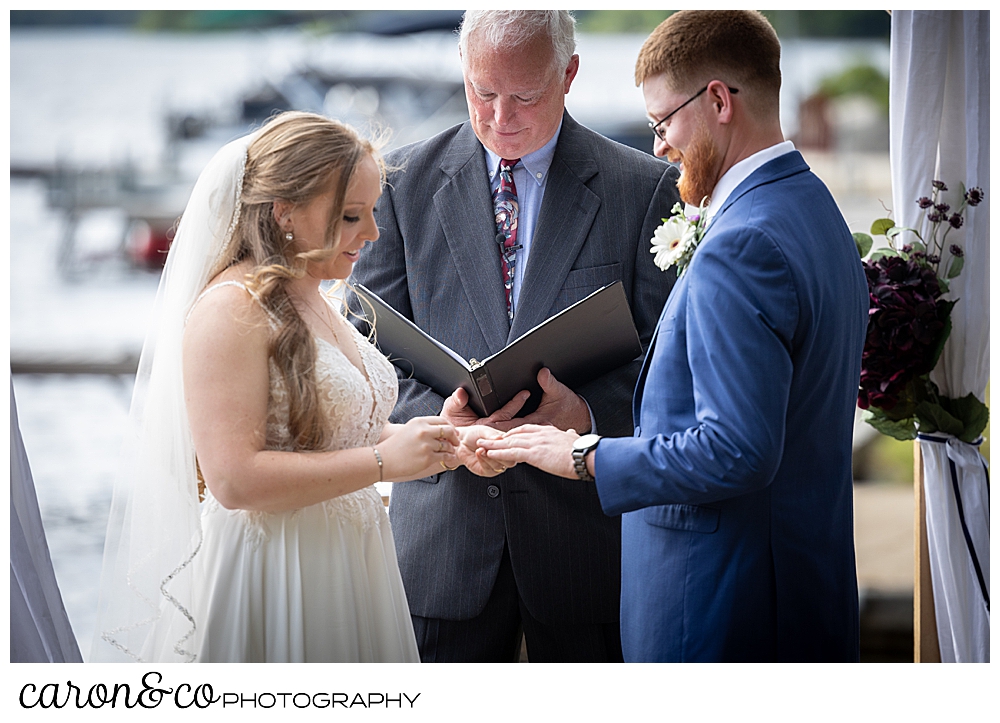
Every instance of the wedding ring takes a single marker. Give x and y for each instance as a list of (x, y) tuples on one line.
[(450, 469), (440, 444), (440, 433)]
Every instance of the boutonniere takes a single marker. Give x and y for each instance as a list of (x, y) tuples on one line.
[(675, 241)]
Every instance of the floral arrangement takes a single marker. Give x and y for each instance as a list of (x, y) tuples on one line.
[(909, 323), (675, 241)]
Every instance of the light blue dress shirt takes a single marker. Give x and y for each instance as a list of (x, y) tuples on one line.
[(529, 180)]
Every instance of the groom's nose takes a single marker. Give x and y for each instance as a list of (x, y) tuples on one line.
[(660, 147)]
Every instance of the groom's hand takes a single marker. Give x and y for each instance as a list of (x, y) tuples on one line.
[(457, 411), (547, 448)]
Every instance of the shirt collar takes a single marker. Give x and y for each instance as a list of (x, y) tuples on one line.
[(535, 163), (741, 171)]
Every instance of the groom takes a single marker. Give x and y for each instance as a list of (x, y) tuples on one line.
[(736, 489)]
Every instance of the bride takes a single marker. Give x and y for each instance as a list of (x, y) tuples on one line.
[(245, 525)]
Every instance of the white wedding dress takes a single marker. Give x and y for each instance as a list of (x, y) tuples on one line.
[(317, 584)]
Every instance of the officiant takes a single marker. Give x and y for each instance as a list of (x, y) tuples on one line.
[(488, 229), (736, 490)]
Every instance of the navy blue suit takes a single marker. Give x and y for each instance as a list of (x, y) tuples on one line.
[(736, 488)]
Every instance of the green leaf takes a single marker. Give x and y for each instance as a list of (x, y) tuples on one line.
[(864, 243), (917, 246), (883, 252), (957, 262), (973, 414), (935, 418), (881, 225), (902, 429), (945, 286)]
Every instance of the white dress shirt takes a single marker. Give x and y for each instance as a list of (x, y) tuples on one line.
[(739, 172)]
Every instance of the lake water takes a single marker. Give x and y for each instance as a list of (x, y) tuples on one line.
[(96, 98)]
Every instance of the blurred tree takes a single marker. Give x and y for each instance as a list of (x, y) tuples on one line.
[(29, 18), (619, 21), (215, 20), (830, 23), (861, 79), (788, 23)]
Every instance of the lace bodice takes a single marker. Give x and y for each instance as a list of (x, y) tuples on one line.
[(356, 417)]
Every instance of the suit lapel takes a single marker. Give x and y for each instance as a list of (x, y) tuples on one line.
[(465, 207), (564, 220)]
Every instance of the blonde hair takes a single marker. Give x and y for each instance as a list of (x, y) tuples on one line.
[(738, 47), (296, 157)]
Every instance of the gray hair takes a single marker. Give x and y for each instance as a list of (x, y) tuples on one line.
[(509, 29)]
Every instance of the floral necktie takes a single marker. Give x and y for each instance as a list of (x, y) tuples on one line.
[(505, 207)]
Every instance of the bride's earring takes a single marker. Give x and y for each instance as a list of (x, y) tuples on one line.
[(289, 237)]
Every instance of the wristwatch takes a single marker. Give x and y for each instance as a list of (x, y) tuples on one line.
[(581, 447)]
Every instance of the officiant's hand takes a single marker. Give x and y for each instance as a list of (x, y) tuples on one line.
[(545, 447), (560, 407), (457, 411), (472, 456)]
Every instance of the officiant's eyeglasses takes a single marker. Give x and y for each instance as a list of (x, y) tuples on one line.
[(661, 132)]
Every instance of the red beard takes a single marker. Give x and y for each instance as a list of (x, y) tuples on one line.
[(701, 162)]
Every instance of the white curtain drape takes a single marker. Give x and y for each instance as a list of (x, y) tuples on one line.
[(39, 628), (939, 112)]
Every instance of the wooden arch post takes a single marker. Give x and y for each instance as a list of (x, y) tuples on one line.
[(925, 641)]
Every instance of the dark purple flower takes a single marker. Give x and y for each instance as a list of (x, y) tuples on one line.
[(924, 202), (933, 259), (955, 221), (942, 207), (935, 217), (939, 185), (974, 196), (905, 323), (918, 255), (956, 250), (907, 248)]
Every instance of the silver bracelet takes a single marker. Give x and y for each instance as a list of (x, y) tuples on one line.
[(378, 458)]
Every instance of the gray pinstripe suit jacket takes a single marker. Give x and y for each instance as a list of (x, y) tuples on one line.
[(438, 264)]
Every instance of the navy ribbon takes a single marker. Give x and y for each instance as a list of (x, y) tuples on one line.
[(961, 512)]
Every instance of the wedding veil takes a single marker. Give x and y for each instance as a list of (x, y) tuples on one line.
[(154, 531)]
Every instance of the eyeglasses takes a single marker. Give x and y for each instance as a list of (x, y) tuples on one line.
[(661, 132)]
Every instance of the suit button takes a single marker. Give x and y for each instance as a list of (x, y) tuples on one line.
[(493, 491)]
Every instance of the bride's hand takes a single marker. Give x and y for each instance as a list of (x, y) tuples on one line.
[(421, 447), (472, 456)]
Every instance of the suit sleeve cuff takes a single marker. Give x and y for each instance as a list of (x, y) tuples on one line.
[(610, 458)]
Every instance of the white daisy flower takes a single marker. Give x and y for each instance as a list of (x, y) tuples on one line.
[(671, 240)]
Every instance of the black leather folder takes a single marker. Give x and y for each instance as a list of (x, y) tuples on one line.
[(584, 341)]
